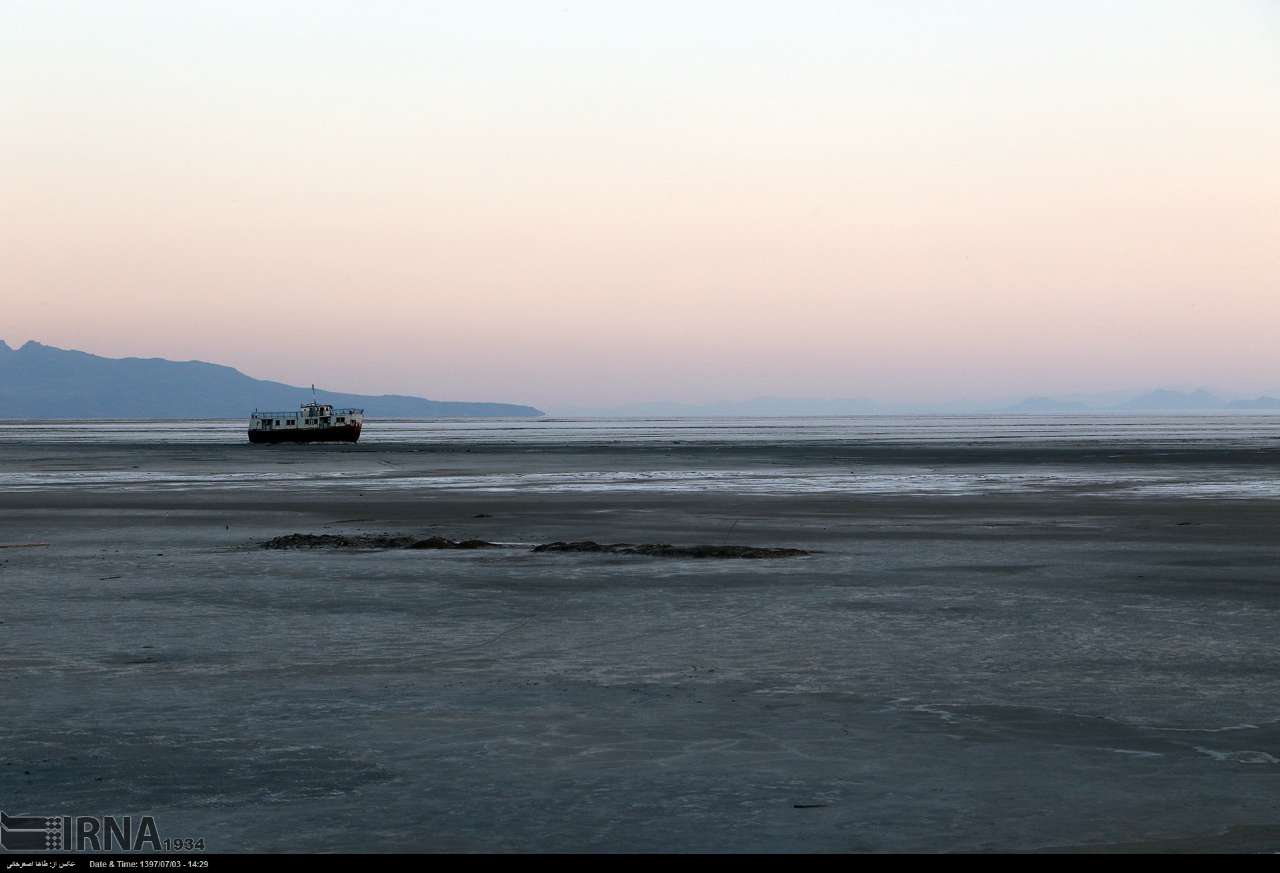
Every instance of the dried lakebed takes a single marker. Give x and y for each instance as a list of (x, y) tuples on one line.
[(980, 669), (655, 550)]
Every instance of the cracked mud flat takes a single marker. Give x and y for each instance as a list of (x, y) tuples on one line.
[(1008, 671)]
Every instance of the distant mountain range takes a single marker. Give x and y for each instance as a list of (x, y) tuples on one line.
[(758, 406), (1155, 402), (39, 381), (1160, 400)]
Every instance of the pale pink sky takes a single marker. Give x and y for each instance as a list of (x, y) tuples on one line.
[(568, 204)]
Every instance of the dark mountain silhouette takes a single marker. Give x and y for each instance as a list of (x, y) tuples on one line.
[(39, 381)]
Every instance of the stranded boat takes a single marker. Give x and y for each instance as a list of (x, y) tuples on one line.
[(314, 423)]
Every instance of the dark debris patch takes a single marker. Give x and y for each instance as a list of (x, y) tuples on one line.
[(445, 543), (664, 550), (655, 550)]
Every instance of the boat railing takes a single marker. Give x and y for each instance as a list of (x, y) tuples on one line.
[(297, 414)]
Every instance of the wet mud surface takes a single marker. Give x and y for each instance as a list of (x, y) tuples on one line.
[(945, 672)]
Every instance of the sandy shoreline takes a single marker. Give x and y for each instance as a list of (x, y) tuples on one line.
[(1007, 671)]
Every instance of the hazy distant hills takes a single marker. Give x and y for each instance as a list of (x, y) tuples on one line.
[(1160, 400), (1048, 404), (759, 406), (39, 381), (1151, 402)]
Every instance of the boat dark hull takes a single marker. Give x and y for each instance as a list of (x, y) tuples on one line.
[(346, 433)]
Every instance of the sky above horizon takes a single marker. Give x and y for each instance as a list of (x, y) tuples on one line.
[(596, 203)]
